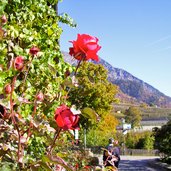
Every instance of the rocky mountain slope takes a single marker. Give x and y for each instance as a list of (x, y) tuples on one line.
[(132, 89)]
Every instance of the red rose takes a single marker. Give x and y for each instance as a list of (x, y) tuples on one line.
[(19, 63), (65, 119), (85, 48), (7, 89), (34, 50)]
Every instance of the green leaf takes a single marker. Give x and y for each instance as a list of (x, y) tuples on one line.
[(89, 113), (45, 166), (58, 160), (18, 50), (14, 33), (68, 83), (5, 103), (49, 31), (52, 69), (45, 159)]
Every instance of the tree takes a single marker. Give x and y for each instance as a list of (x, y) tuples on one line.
[(148, 141), (163, 140), (94, 90), (133, 116), (140, 140), (100, 134)]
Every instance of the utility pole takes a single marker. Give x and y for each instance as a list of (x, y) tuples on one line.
[(85, 139)]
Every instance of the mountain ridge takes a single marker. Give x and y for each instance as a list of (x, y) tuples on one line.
[(131, 88)]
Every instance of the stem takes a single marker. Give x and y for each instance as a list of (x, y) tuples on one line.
[(27, 73), (77, 67), (34, 112), (13, 119), (30, 125), (11, 101), (83, 57), (54, 140)]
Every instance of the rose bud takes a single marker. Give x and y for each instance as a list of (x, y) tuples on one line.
[(7, 89), (67, 73), (40, 97), (19, 63), (34, 50), (3, 19)]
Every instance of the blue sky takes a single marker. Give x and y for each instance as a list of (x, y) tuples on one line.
[(135, 35)]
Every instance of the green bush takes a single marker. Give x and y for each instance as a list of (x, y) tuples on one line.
[(140, 140), (163, 140)]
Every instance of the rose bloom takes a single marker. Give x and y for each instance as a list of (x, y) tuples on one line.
[(34, 50), (19, 63), (85, 47), (65, 119)]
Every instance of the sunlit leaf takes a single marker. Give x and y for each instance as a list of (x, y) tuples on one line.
[(49, 31), (68, 83), (89, 113)]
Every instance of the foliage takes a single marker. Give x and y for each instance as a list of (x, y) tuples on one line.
[(132, 138), (95, 91), (146, 141), (163, 139), (100, 134), (140, 140), (133, 116), (34, 81), (33, 67)]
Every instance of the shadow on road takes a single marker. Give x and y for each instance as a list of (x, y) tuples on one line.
[(138, 165)]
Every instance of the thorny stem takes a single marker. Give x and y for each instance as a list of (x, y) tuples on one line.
[(79, 63), (31, 124), (54, 140), (13, 119), (27, 72), (83, 57)]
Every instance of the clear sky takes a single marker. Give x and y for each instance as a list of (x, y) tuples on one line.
[(135, 35)]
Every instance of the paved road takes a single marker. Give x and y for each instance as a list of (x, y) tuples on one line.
[(137, 163)]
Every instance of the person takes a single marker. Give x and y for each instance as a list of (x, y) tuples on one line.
[(111, 154), (116, 153)]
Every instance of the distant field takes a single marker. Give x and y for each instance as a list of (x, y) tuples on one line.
[(146, 112)]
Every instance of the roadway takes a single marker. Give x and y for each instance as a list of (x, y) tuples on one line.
[(137, 163)]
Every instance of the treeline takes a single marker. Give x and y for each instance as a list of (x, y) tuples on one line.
[(147, 112)]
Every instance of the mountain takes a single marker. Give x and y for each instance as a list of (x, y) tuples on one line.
[(136, 88), (132, 89)]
